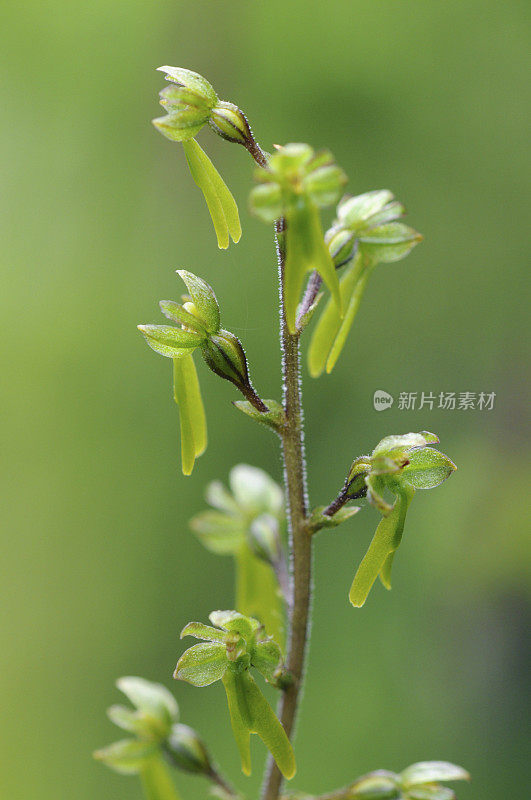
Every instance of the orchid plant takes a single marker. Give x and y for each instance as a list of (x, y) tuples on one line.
[(269, 531)]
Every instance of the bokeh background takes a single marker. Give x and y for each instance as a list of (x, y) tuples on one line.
[(99, 569)]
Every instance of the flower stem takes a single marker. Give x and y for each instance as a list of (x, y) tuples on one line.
[(300, 542)]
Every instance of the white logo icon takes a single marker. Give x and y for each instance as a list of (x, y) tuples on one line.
[(382, 400)]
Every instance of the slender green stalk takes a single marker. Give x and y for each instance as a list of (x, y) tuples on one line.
[(300, 542)]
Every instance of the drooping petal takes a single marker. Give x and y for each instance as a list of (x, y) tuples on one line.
[(157, 781), (187, 395), (239, 717), (385, 541), (327, 328), (266, 724), (220, 202)]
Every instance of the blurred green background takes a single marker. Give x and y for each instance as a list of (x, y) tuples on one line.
[(99, 569)]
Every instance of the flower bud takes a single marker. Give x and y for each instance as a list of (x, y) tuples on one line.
[(224, 354), (188, 750), (231, 124)]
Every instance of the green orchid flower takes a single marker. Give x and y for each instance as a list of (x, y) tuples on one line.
[(228, 652), (399, 465), (366, 232), (191, 103), (295, 185), (248, 523), (157, 736), (421, 781), (200, 328)]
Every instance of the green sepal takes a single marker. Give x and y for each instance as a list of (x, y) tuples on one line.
[(175, 98), (151, 698), (404, 442), (266, 201), (156, 780), (273, 418), (234, 622), (390, 242), (290, 159), (266, 657), (305, 251), (181, 126), (187, 395), (378, 785), (169, 341), (204, 300), (428, 792), (202, 664), (385, 541), (255, 491), (432, 772), (354, 212), (324, 183), (191, 80), (177, 313), (389, 213), (218, 532), (219, 497), (127, 756), (200, 631), (427, 468), (141, 723), (221, 204)]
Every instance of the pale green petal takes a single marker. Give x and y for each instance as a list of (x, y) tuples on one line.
[(329, 324), (220, 202), (385, 541), (156, 780), (187, 395)]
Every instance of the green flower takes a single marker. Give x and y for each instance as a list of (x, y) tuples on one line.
[(422, 781), (398, 465), (248, 523), (295, 185), (156, 736), (365, 233), (191, 103), (227, 653), (199, 327)]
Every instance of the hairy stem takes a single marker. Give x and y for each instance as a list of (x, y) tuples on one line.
[(300, 541), (292, 437)]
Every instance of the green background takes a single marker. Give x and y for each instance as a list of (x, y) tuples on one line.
[(100, 570)]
